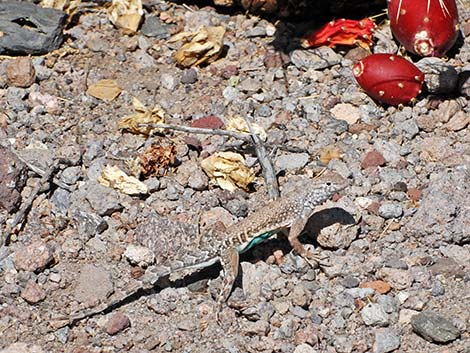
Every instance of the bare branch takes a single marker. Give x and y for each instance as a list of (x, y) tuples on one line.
[(198, 130)]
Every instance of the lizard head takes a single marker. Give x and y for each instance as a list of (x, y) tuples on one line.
[(331, 181), (323, 187)]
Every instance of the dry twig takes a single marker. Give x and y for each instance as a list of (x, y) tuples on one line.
[(265, 162), (21, 214), (266, 165), (198, 130)]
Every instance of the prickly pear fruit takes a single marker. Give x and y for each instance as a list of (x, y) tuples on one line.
[(389, 78), (424, 27)]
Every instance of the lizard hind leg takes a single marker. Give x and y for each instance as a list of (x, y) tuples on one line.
[(230, 261)]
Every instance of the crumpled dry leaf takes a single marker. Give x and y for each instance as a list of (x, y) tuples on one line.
[(228, 170), (68, 6), (113, 177), (105, 89), (157, 160), (237, 123), (143, 115), (126, 15), (203, 47), (329, 153)]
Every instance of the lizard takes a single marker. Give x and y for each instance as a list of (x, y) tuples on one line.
[(288, 212)]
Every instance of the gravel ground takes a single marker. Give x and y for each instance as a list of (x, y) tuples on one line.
[(399, 274)]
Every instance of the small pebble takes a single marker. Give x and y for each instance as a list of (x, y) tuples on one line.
[(390, 210), (20, 72), (117, 323)]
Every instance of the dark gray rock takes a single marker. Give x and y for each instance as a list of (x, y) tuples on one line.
[(349, 281), (89, 224), (12, 180), (30, 29), (189, 76), (439, 77), (316, 59), (61, 200), (102, 199), (434, 327), (70, 175), (464, 83), (154, 27)]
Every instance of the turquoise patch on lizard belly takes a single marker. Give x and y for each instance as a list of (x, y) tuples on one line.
[(257, 240)]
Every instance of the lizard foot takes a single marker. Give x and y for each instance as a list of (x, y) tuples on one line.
[(315, 259)]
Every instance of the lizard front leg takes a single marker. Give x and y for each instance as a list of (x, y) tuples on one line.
[(295, 231)]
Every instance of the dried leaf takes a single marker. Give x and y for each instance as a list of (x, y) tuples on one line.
[(203, 47), (143, 116), (115, 178), (237, 123), (68, 6), (228, 170), (157, 160), (126, 15), (105, 89), (329, 153)]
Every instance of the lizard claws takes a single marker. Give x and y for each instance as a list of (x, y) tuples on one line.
[(315, 259)]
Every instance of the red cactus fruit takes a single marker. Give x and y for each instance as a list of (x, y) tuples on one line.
[(424, 27), (343, 32), (389, 78)]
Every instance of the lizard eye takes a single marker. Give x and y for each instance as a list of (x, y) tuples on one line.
[(328, 183)]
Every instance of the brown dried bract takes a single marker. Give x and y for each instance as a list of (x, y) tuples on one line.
[(228, 170), (202, 47), (157, 160), (329, 153), (126, 15), (135, 123)]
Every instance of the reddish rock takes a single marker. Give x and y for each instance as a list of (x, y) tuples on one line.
[(229, 71), (283, 118), (3, 120), (414, 194), (374, 207), (394, 226), (272, 60), (458, 122), (193, 142), (373, 159), (34, 257), (33, 293), (308, 335), (381, 287), (356, 54), (466, 29), (117, 323), (360, 127), (82, 350), (208, 122), (20, 72)]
